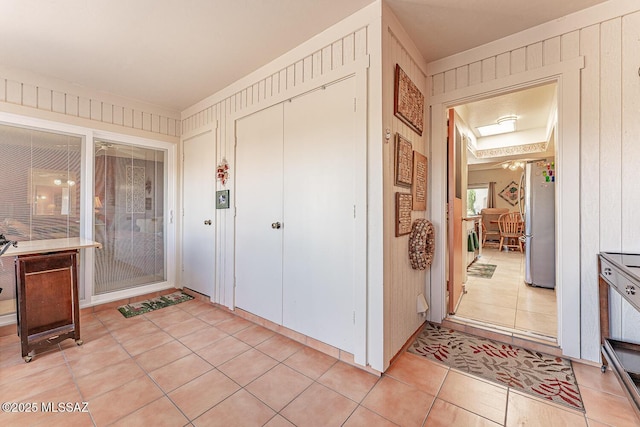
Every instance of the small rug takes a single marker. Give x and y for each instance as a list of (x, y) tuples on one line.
[(136, 308), (547, 377), (481, 270)]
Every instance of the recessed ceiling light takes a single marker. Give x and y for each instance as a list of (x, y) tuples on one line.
[(504, 125)]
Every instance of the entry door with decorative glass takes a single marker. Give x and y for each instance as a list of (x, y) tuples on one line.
[(129, 198)]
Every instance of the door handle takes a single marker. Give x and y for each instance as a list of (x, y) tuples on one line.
[(207, 222), (276, 225)]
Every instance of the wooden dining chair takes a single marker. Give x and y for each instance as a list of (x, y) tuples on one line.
[(511, 228), (490, 230)]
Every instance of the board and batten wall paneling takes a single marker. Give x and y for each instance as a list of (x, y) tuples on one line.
[(16, 93), (630, 154), (305, 68), (609, 153), (346, 50), (402, 284), (589, 45)]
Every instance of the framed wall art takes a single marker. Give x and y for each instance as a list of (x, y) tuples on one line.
[(420, 174), (403, 161), (404, 204), (510, 193), (408, 101)]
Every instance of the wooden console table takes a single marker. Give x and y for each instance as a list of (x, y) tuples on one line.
[(47, 291)]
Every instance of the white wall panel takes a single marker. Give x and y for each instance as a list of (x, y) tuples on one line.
[(437, 84), (146, 121), (107, 113), (518, 60), (503, 65), (14, 92), (95, 108), (348, 49), (534, 56), (630, 150), (475, 73), (610, 129), (58, 102), (29, 95), (551, 51), (609, 153), (570, 45), (84, 107), (361, 47), (462, 77), (590, 178), (450, 80), (336, 54), (46, 99), (489, 69)]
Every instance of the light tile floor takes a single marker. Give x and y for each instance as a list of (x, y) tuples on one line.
[(198, 365), (506, 300)]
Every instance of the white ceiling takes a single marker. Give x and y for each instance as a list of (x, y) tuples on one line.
[(535, 109), (173, 53)]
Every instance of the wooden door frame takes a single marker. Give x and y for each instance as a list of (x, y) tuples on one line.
[(454, 236)]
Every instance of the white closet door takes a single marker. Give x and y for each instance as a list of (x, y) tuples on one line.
[(319, 200), (198, 258), (258, 207)]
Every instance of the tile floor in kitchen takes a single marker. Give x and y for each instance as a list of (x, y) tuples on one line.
[(506, 301)]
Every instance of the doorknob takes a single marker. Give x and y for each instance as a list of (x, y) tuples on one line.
[(207, 222), (276, 225)]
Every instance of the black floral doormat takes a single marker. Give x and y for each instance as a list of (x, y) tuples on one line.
[(481, 270), (541, 375), (136, 308)]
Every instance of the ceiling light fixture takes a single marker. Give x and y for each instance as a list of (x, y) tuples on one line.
[(513, 165), (504, 124)]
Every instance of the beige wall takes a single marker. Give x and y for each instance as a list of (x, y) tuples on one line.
[(402, 284), (502, 178)]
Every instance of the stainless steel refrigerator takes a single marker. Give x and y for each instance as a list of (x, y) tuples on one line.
[(538, 182)]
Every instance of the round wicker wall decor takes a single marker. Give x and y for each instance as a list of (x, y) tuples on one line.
[(421, 244)]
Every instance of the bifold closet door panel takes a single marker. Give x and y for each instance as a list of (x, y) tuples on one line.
[(319, 225), (259, 207)]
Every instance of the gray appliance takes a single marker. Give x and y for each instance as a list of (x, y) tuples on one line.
[(538, 181)]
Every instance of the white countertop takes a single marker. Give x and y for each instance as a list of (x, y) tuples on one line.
[(50, 245)]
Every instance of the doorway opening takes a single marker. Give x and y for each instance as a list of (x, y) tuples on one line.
[(493, 142)]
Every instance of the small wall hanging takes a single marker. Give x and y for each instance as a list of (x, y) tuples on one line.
[(420, 174), (422, 244), (222, 171), (408, 103), (403, 161), (510, 193), (403, 213)]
